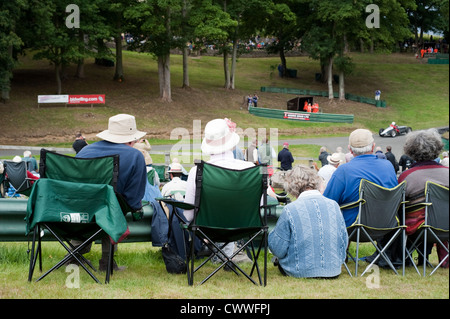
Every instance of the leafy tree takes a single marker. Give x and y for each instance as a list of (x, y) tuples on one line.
[(335, 24), (428, 15), (48, 29), (285, 22), (152, 24), (10, 41)]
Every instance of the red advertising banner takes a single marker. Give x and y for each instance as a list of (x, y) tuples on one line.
[(87, 99)]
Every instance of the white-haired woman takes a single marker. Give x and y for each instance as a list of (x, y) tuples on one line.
[(310, 238), (423, 147)]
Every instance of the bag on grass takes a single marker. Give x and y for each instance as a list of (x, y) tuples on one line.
[(174, 263)]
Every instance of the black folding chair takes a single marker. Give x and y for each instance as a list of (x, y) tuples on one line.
[(435, 227), (16, 175), (75, 199), (378, 219)]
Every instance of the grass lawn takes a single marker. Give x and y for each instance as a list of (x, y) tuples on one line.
[(146, 277)]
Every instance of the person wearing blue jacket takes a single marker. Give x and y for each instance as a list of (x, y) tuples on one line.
[(310, 239), (119, 139), (343, 186)]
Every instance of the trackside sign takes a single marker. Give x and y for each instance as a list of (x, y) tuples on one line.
[(87, 99), (72, 99)]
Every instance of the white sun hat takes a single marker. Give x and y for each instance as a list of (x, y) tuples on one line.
[(220, 136), (121, 129)]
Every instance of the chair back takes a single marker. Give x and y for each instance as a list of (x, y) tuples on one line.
[(100, 170), (229, 198), (17, 175), (77, 191), (437, 213), (380, 205)]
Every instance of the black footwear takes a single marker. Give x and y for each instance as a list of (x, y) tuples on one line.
[(103, 266), (204, 252), (229, 267)]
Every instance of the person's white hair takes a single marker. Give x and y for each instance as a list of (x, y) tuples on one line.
[(300, 179), (361, 150)]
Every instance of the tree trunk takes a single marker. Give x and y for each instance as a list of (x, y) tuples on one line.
[(185, 68), (330, 79), (226, 69), (341, 87), (233, 65), (80, 69), (184, 11), (6, 87), (283, 62), (165, 93), (58, 78), (118, 73)]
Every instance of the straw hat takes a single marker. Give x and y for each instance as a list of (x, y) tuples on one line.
[(175, 168), (220, 136), (334, 159), (121, 129)]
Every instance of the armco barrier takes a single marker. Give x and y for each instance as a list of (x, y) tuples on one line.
[(13, 225), (348, 96), (301, 116)]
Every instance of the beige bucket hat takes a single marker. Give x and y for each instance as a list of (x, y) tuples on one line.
[(334, 159), (121, 129)]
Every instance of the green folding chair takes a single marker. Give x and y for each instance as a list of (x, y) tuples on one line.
[(435, 227), (230, 205), (75, 199), (377, 219)]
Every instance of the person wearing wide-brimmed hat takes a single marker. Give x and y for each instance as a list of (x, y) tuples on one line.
[(119, 138), (176, 186), (334, 160), (219, 141)]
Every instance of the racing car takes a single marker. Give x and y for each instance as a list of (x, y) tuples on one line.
[(394, 130)]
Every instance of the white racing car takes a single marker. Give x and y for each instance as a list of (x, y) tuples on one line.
[(394, 130)]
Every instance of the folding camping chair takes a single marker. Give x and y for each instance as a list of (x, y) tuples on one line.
[(16, 175), (227, 208), (435, 227), (75, 199), (378, 218)]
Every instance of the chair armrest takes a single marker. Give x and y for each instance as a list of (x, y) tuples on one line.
[(352, 204), (175, 203)]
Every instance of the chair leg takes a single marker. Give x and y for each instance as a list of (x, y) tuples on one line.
[(192, 259), (32, 257), (73, 254), (357, 251), (425, 259), (265, 256), (109, 270)]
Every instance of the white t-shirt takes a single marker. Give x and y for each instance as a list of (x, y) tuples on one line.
[(226, 160)]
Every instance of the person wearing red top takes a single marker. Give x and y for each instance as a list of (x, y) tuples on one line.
[(423, 147)]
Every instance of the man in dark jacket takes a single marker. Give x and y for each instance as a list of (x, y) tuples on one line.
[(391, 158), (285, 158)]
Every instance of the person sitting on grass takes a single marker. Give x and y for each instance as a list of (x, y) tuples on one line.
[(310, 239)]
